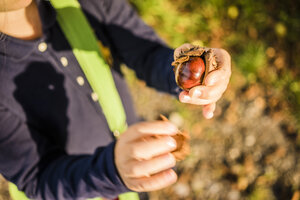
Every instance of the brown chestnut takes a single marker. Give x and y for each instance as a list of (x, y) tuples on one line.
[(190, 73), (192, 65)]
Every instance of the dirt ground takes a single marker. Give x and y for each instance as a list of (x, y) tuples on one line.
[(4, 195), (250, 150)]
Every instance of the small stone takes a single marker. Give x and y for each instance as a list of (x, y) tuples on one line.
[(182, 190), (296, 195), (243, 183), (250, 140), (234, 153), (260, 103), (296, 179), (279, 62), (197, 184), (176, 119), (234, 195), (271, 52), (215, 188)]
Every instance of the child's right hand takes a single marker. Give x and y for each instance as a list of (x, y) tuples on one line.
[(143, 160), (215, 83)]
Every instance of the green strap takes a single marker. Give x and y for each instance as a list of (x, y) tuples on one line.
[(87, 52), (15, 194), (84, 44)]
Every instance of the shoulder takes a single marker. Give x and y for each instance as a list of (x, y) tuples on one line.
[(106, 10)]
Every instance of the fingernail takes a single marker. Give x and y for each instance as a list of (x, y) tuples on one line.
[(172, 158), (171, 143), (186, 98), (197, 93), (210, 115), (172, 128), (170, 175)]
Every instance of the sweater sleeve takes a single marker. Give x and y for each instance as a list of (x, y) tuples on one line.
[(44, 171), (139, 47)]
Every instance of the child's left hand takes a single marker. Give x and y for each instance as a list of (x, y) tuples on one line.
[(214, 86)]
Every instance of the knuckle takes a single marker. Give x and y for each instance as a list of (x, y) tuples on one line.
[(134, 187), (172, 160), (225, 52), (135, 127), (126, 171), (139, 126), (135, 171), (140, 187), (134, 152), (209, 93), (168, 162), (172, 143), (127, 183)]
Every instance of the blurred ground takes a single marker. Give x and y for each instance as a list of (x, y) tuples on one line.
[(4, 195), (251, 148)]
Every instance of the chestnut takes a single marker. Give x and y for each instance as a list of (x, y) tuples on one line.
[(190, 73), (192, 65)]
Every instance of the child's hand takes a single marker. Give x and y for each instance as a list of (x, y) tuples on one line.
[(214, 86), (144, 161)]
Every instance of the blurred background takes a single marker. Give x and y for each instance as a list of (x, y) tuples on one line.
[(251, 148)]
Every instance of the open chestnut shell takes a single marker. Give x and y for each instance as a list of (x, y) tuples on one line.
[(182, 139), (192, 66)]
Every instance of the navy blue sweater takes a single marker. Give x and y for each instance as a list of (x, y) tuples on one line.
[(54, 140)]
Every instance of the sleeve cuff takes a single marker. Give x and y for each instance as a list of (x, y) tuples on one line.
[(107, 166)]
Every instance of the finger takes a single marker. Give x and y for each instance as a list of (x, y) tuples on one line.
[(208, 110), (178, 51), (207, 92), (204, 94), (154, 182), (151, 128), (150, 147), (184, 97), (223, 60), (202, 102), (197, 97), (216, 76), (149, 167)]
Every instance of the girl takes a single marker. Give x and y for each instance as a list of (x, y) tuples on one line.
[(55, 142)]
